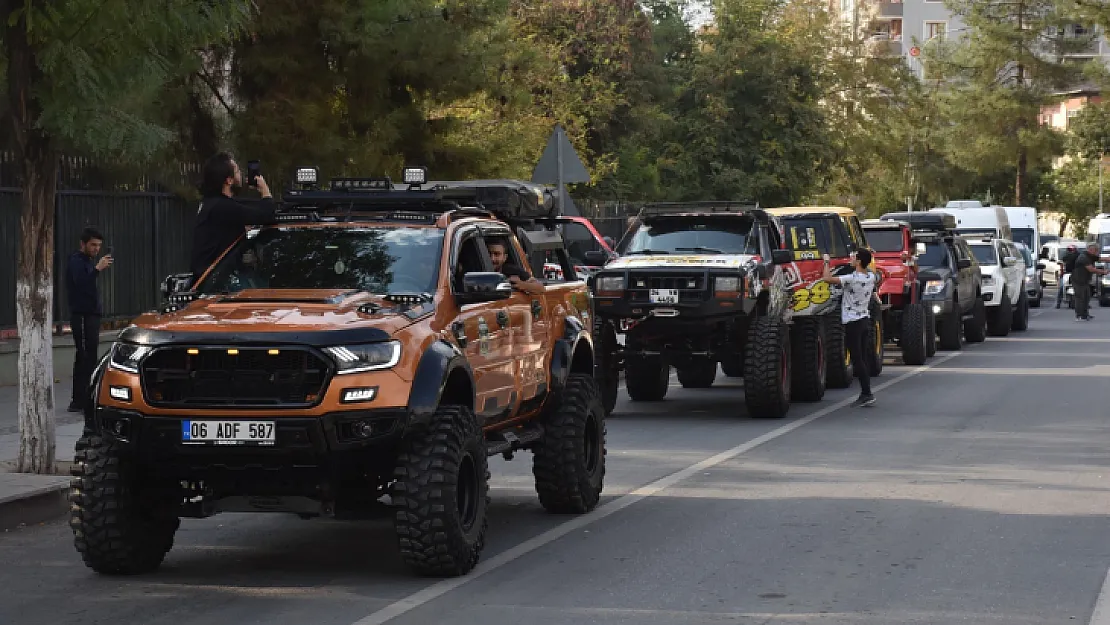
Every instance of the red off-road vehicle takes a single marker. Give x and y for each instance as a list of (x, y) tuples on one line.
[(909, 324)]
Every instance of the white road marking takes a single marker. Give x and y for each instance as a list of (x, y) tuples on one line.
[(438, 589), (1101, 615)]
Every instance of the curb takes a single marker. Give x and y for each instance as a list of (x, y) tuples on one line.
[(31, 499)]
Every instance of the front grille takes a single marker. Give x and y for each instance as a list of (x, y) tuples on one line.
[(690, 287), (236, 377)]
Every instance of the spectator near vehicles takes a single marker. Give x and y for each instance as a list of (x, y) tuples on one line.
[(949, 278), (907, 321), (385, 358), (1003, 279), (698, 284), (819, 349)]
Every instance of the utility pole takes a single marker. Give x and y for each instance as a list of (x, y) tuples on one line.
[(1101, 155)]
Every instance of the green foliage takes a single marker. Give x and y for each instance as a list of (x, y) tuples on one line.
[(1090, 131), (102, 63), (1073, 190)]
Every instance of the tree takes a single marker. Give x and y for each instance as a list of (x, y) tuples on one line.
[(1090, 131), (79, 76), (998, 77), (1072, 189)]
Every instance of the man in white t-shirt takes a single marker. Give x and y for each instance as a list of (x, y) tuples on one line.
[(859, 289)]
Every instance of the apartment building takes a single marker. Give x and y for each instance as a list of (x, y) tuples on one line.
[(902, 27)]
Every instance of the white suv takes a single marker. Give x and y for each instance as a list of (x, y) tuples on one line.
[(1004, 294)]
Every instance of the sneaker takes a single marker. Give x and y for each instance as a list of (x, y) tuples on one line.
[(867, 400)]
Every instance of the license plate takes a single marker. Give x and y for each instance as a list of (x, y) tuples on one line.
[(664, 296), (227, 432)]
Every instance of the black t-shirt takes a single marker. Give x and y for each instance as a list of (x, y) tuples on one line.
[(220, 222), (1082, 272), (509, 270)]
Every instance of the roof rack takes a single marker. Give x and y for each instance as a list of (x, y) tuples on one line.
[(349, 198), (659, 209), (924, 221), (887, 224)]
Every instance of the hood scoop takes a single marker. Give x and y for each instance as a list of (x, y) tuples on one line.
[(272, 299)]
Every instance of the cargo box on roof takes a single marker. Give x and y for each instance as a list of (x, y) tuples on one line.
[(933, 221), (509, 199)]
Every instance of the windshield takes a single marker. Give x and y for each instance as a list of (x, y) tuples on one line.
[(882, 240), (695, 236), (985, 254), (933, 255), (1104, 241), (375, 260), (1023, 236), (821, 236)]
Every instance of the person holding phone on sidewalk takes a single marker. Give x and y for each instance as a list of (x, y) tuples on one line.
[(85, 310), (859, 289)]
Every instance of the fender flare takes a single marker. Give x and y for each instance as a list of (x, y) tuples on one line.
[(562, 355), (439, 361), (94, 391)]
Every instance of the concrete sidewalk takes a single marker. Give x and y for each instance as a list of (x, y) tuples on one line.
[(29, 499)]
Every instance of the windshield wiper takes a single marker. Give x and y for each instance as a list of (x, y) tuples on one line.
[(703, 250), (646, 251)]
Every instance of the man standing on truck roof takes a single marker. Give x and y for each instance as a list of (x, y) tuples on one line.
[(220, 219), (1069, 266), (1081, 281), (859, 288)]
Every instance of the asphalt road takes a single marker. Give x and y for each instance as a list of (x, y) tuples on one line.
[(974, 492)]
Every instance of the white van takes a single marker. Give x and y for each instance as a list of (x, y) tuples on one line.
[(1052, 255), (973, 220), (1023, 225), (1099, 231)]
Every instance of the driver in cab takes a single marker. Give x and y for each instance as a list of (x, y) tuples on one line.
[(518, 277)]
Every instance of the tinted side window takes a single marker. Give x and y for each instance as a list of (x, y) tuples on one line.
[(579, 240)]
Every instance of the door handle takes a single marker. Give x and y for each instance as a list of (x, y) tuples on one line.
[(502, 318), (460, 333)]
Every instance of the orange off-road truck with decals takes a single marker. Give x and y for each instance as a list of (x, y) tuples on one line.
[(816, 236), (362, 356)]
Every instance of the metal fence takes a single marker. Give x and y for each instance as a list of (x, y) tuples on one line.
[(150, 234)]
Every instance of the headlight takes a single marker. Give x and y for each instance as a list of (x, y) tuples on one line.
[(726, 284), (368, 357), (126, 357), (988, 280), (610, 284), (932, 287)]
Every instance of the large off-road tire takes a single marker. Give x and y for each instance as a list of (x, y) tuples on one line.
[(441, 494), (975, 329), (807, 359), (838, 362), (1021, 314), (646, 379), (607, 372), (700, 374), (569, 461), (123, 523), (949, 329), (1001, 319), (876, 341), (914, 336), (930, 332), (733, 367), (767, 369)]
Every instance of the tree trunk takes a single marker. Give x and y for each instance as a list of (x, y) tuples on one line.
[(34, 292), (1019, 181)]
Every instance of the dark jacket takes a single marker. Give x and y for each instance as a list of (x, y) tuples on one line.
[(81, 287), (220, 222), (1069, 261)]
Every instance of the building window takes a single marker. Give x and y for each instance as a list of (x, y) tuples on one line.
[(935, 29)]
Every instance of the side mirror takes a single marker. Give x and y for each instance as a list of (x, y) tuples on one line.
[(964, 263), (1010, 261), (484, 286), (782, 257), (596, 258), (175, 283)]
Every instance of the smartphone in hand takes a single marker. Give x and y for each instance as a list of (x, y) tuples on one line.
[(254, 169)]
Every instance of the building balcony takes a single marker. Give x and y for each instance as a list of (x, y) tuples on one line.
[(888, 11), (880, 46)]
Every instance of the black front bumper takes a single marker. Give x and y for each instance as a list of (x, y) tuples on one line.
[(306, 451)]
